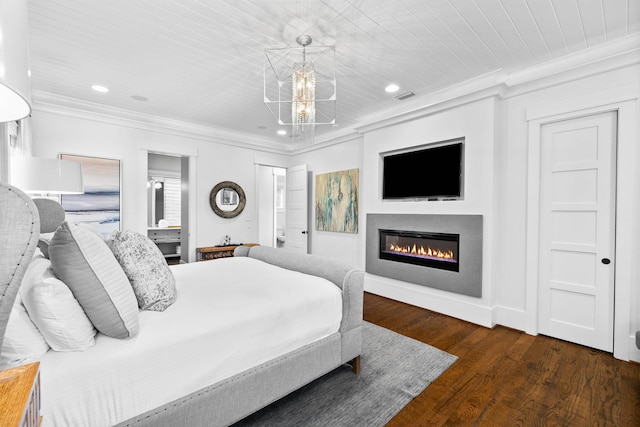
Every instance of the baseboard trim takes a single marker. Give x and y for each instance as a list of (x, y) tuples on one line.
[(510, 317), (458, 306)]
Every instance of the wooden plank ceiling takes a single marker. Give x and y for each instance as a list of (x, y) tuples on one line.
[(201, 62)]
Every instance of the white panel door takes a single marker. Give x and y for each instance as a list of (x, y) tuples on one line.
[(577, 230), (296, 229)]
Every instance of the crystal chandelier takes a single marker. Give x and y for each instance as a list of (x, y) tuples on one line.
[(300, 87), (303, 101)]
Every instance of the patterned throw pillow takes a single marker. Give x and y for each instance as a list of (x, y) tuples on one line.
[(147, 270)]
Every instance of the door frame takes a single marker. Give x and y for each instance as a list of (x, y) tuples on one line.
[(143, 166), (624, 104), (266, 162)]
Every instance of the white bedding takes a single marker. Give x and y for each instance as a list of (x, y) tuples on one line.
[(231, 314)]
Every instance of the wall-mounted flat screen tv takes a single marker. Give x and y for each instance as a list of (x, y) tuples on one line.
[(432, 172)]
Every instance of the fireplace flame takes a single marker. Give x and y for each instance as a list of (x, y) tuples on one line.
[(421, 251)]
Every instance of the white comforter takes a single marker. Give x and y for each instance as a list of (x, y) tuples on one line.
[(230, 315)]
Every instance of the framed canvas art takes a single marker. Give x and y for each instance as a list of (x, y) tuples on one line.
[(99, 205), (337, 201)]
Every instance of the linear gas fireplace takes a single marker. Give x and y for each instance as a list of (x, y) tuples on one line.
[(435, 250), (439, 251)]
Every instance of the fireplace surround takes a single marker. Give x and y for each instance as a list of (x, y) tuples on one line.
[(439, 251)]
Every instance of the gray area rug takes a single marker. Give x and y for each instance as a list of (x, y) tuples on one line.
[(395, 369)]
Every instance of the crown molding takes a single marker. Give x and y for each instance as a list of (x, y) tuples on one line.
[(348, 136), (486, 86), (499, 84), (71, 107), (621, 53), (602, 58)]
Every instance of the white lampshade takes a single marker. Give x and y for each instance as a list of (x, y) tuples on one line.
[(46, 176), (15, 84)]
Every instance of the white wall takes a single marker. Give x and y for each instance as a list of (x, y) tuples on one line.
[(474, 122), (497, 133), (345, 246), (218, 163), (55, 133), (514, 165), (618, 90)]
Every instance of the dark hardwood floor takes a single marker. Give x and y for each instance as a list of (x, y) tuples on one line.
[(505, 377)]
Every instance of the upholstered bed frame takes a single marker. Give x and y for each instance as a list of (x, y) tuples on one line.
[(232, 399), (19, 232)]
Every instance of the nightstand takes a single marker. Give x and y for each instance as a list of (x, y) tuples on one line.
[(20, 396)]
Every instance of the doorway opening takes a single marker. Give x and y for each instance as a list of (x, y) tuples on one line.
[(271, 205), (167, 204)]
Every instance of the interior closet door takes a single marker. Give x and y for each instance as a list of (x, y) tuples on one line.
[(577, 230)]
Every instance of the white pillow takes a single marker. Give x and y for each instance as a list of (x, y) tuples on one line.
[(86, 265), (22, 341), (57, 314)]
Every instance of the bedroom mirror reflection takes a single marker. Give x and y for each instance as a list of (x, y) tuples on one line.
[(227, 199)]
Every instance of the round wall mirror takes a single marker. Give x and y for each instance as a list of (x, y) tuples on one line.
[(227, 199)]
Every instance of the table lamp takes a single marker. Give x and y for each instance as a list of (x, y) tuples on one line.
[(37, 175)]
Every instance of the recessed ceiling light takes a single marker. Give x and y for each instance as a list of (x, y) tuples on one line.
[(99, 88), (392, 88), (282, 132)]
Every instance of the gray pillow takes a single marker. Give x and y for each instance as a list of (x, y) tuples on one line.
[(51, 214), (43, 243), (147, 269), (84, 262)]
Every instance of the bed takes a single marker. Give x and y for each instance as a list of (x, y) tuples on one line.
[(242, 333)]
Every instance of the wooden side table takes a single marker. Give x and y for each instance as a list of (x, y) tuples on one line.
[(215, 252), (20, 396)]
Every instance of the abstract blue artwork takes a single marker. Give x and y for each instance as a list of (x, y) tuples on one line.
[(337, 201)]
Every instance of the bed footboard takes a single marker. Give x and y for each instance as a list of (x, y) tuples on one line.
[(342, 274)]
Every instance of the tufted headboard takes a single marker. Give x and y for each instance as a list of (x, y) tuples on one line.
[(19, 232)]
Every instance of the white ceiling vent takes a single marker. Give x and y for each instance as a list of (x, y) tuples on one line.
[(405, 95)]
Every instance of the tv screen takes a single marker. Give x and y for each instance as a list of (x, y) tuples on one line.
[(429, 173)]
